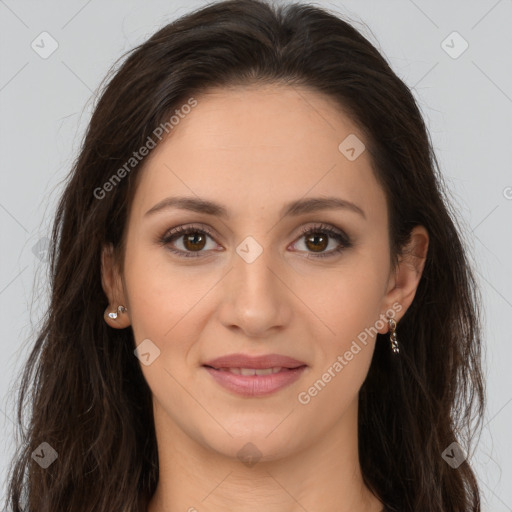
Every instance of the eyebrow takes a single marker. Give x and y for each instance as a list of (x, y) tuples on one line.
[(294, 208)]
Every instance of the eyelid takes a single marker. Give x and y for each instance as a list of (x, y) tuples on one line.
[(187, 227)]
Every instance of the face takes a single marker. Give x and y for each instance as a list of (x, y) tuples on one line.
[(259, 278)]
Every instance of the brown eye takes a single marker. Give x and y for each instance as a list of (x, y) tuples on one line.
[(317, 239), (194, 240), (317, 242)]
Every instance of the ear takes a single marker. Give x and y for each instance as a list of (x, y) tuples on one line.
[(403, 283), (113, 287)]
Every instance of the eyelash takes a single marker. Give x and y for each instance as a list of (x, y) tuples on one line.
[(180, 231)]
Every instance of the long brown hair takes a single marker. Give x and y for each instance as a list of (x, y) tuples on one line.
[(89, 400)]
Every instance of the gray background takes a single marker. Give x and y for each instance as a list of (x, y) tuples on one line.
[(45, 105)]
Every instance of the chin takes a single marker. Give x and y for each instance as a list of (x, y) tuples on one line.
[(252, 448)]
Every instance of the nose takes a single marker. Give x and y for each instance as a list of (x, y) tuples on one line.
[(256, 299)]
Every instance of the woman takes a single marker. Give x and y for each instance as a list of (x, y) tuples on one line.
[(260, 296)]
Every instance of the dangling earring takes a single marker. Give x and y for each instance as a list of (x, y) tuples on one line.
[(392, 336), (121, 309)]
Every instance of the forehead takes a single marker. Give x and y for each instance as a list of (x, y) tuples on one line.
[(276, 143), (271, 116)]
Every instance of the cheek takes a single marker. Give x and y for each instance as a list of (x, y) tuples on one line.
[(349, 299), (162, 302), (351, 312), (350, 309), (168, 304), (160, 294)]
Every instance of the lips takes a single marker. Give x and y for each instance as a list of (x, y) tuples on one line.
[(253, 377), (266, 361)]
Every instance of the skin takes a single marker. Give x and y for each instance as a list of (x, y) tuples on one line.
[(253, 149)]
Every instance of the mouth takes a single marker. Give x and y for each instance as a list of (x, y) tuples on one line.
[(254, 371), (249, 362), (255, 382)]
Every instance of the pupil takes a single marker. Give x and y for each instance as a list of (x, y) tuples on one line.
[(193, 239), (315, 245)]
